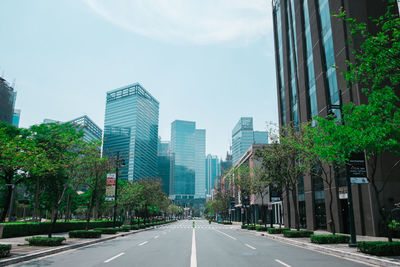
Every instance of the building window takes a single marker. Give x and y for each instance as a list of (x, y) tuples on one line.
[(281, 81)]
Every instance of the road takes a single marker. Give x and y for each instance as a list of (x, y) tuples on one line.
[(181, 245)]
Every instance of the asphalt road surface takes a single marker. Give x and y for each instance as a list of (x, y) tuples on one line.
[(180, 245)]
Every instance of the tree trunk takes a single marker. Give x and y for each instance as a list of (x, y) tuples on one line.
[(296, 210), (37, 195), (382, 211), (6, 204), (89, 211), (329, 182)]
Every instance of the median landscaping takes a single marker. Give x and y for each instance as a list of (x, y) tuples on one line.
[(45, 241)]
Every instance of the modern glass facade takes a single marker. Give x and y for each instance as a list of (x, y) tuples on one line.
[(90, 129), (187, 150), (132, 109), (164, 162), (329, 53), (243, 137), (281, 81), (310, 81), (7, 100), (16, 117), (213, 170)]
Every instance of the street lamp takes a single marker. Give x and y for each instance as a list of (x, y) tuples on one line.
[(119, 162), (353, 238)]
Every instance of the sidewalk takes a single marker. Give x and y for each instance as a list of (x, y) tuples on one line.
[(339, 250), (21, 251)]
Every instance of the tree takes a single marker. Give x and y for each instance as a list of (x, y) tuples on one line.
[(261, 186), (130, 196), (63, 149), (17, 153), (92, 173)]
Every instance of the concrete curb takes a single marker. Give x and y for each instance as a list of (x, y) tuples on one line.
[(47, 252), (369, 259)]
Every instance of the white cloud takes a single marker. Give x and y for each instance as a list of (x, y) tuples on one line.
[(189, 21)]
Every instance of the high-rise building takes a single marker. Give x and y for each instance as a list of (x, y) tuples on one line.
[(90, 129), (7, 101), (16, 117), (187, 150), (164, 162), (131, 130), (213, 171), (243, 137), (309, 41)]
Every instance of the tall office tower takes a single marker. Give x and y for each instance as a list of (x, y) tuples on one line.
[(90, 129), (213, 170), (16, 117), (309, 41), (164, 162), (243, 137), (131, 130), (187, 150), (7, 101)]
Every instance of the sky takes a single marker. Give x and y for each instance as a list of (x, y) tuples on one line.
[(208, 61)]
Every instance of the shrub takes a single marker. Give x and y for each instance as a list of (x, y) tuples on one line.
[(84, 234), (295, 233), (109, 231), (4, 250), (124, 229), (39, 228), (274, 231), (329, 239), (261, 228), (226, 222), (251, 227), (135, 227), (380, 248), (45, 241), (142, 226), (244, 226)]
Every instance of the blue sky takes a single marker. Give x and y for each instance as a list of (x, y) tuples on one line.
[(209, 61)]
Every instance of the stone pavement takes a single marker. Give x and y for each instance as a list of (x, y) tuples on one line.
[(339, 250)]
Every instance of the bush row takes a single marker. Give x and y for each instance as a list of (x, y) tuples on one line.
[(380, 248), (38, 228), (274, 231), (329, 239), (296, 234), (4, 250), (45, 241), (84, 234)]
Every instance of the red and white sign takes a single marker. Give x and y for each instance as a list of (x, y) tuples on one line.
[(110, 186)]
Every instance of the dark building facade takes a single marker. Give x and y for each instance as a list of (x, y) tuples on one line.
[(309, 41), (7, 99)]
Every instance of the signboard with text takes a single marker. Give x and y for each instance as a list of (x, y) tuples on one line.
[(357, 169), (110, 186)]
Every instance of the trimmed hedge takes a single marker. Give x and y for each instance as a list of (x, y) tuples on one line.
[(380, 248), (124, 229), (329, 239), (107, 231), (296, 234), (4, 250), (274, 231), (84, 234), (39, 228), (135, 227), (261, 228), (45, 241), (251, 227), (244, 226)]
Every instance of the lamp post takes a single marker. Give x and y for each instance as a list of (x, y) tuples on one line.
[(118, 162), (353, 238)]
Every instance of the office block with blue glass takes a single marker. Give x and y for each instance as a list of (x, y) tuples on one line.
[(131, 128)]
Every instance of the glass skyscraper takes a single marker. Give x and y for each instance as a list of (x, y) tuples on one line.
[(131, 129), (164, 164), (90, 129), (7, 101), (243, 137), (213, 170), (187, 150)]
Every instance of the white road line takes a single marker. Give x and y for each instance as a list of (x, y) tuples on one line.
[(113, 258), (145, 242), (193, 257), (247, 245), (225, 234), (281, 262), (156, 237)]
